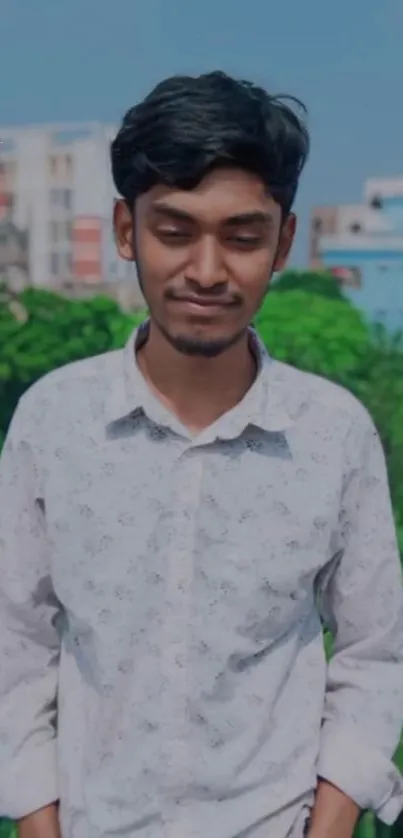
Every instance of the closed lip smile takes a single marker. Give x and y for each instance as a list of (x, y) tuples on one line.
[(202, 302)]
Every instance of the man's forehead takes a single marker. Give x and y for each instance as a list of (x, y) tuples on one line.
[(220, 196)]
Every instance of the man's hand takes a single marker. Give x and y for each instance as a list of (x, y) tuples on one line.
[(41, 824), (334, 814)]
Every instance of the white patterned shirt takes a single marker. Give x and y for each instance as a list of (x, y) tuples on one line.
[(162, 670)]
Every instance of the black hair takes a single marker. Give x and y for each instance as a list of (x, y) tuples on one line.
[(187, 126)]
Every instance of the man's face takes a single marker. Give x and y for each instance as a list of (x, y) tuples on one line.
[(205, 256)]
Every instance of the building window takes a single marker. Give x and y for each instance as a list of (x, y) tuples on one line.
[(53, 232), (67, 196), (376, 202), (355, 227), (61, 198), (60, 231), (9, 171), (54, 197), (8, 145), (60, 166), (54, 264), (53, 165)]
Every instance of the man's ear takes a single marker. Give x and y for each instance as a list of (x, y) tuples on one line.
[(287, 234), (124, 232)]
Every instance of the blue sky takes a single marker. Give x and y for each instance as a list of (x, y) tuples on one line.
[(92, 59)]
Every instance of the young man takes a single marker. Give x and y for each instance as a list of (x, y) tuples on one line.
[(177, 518)]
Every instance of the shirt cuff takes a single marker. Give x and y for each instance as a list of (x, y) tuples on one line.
[(30, 783), (364, 774)]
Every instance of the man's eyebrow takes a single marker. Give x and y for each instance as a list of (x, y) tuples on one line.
[(252, 217), (169, 211)]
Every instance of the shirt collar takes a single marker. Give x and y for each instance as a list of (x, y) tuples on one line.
[(264, 405)]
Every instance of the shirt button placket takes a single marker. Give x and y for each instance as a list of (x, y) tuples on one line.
[(186, 488)]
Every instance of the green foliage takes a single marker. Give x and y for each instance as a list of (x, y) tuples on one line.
[(7, 829), (318, 334), (313, 282)]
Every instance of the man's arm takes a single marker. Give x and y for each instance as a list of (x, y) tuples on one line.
[(334, 815), (29, 641), (42, 824), (361, 598)]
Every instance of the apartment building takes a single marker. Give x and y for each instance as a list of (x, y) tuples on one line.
[(362, 245), (56, 201)]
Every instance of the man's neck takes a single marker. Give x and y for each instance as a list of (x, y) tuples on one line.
[(197, 390)]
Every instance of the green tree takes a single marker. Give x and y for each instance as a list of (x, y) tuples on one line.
[(7, 829), (323, 335), (321, 283)]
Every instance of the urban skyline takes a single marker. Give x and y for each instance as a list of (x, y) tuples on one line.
[(362, 246), (56, 200)]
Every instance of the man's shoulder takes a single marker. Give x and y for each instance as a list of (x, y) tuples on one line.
[(72, 385), (305, 392)]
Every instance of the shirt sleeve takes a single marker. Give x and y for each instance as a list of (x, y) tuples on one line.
[(29, 639), (362, 604)]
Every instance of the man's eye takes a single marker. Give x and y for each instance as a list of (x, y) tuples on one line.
[(246, 240), (173, 234)]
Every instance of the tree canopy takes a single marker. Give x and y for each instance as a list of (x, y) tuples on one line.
[(314, 282), (323, 335)]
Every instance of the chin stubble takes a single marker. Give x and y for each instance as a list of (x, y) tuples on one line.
[(198, 347)]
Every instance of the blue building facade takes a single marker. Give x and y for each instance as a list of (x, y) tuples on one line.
[(364, 250)]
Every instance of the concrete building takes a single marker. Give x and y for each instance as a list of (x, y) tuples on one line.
[(362, 245), (57, 191)]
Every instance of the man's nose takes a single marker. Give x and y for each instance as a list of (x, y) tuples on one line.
[(206, 266)]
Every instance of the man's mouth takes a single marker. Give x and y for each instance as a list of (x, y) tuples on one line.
[(203, 302)]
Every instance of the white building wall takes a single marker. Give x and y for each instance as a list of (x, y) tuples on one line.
[(32, 208), (92, 192), (95, 194), (369, 219), (90, 176), (383, 188)]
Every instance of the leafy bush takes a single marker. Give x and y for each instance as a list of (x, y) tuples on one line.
[(7, 829)]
